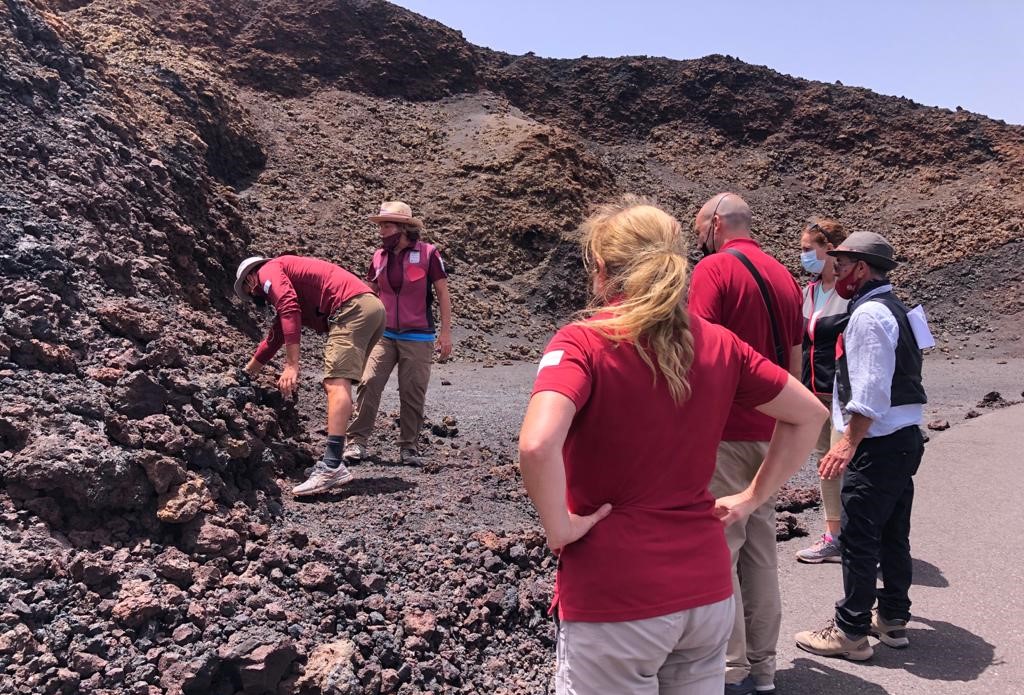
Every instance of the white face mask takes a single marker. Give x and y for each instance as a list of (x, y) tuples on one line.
[(811, 263)]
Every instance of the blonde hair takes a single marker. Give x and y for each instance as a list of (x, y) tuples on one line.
[(642, 251)]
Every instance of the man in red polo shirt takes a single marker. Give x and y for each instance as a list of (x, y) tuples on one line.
[(327, 299), (724, 290)]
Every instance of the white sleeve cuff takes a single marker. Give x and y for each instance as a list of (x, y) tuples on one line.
[(861, 409)]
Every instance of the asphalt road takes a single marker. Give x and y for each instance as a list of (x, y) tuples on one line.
[(967, 632)]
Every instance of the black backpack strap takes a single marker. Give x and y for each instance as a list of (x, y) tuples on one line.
[(780, 353)]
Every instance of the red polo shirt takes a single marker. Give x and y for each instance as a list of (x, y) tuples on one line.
[(305, 292), (723, 291), (661, 549)]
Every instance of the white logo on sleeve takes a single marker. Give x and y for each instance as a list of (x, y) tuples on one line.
[(550, 359), (266, 287)]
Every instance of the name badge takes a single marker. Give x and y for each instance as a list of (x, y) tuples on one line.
[(414, 256)]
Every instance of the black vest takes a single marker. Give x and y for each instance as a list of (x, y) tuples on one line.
[(906, 379)]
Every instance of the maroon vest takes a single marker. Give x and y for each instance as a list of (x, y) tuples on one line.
[(408, 309)]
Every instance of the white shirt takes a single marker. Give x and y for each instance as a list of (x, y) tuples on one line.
[(869, 343)]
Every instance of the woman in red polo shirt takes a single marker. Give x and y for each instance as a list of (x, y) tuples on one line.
[(617, 448)]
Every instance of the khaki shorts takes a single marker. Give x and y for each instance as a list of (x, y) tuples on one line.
[(676, 654), (354, 329)]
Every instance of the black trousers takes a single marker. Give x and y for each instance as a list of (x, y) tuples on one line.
[(877, 496)]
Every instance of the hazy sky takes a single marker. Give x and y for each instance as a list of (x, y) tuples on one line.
[(940, 53)]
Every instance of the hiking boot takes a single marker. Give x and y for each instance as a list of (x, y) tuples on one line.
[(825, 549), (410, 457), (892, 633), (832, 641), (744, 687), (354, 452), (322, 479)]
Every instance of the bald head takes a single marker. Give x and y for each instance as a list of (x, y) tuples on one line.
[(725, 216)]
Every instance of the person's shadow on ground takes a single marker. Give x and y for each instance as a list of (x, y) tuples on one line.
[(927, 574), (810, 676), (941, 651)]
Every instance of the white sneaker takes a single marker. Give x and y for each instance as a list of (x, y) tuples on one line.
[(354, 452), (322, 479)]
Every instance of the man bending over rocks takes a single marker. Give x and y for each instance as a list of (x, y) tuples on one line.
[(318, 295)]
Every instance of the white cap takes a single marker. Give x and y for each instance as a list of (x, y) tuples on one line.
[(244, 268)]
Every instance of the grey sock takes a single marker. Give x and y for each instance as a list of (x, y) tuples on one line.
[(332, 452)]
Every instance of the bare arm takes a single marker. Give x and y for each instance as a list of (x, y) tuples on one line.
[(541, 437), (444, 305), (290, 373), (798, 416)]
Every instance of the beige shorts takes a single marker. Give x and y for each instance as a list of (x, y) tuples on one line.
[(676, 654), (353, 330)]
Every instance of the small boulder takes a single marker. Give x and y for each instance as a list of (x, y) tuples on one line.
[(175, 565), (136, 395), (329, 669), (315, 575), (259, 659), (136, 603), (202, 535), (184, 502)]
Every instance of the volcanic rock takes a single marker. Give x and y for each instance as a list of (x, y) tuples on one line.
[(788, 526), (149, 146), (184, 502), (175, 565), (329, 669), (259, 658), (315, 575), (189, 677), (137, 602), (203, 535)]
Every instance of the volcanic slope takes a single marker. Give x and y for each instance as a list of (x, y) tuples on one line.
[(502, 156), (147, 546)]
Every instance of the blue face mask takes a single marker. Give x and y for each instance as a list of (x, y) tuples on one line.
[(811, 263)]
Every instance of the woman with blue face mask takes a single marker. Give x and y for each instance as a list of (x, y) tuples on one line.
[(824, 320)]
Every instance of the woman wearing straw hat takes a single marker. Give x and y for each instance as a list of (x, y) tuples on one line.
[(405, 272), (643, 588)]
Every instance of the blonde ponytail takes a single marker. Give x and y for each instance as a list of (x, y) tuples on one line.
[(642, 253)]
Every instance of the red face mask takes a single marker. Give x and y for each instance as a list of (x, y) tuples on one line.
[(847, 285), (390, 242)]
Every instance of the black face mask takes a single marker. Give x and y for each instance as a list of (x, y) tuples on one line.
[(705, 249), (261, 302)]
